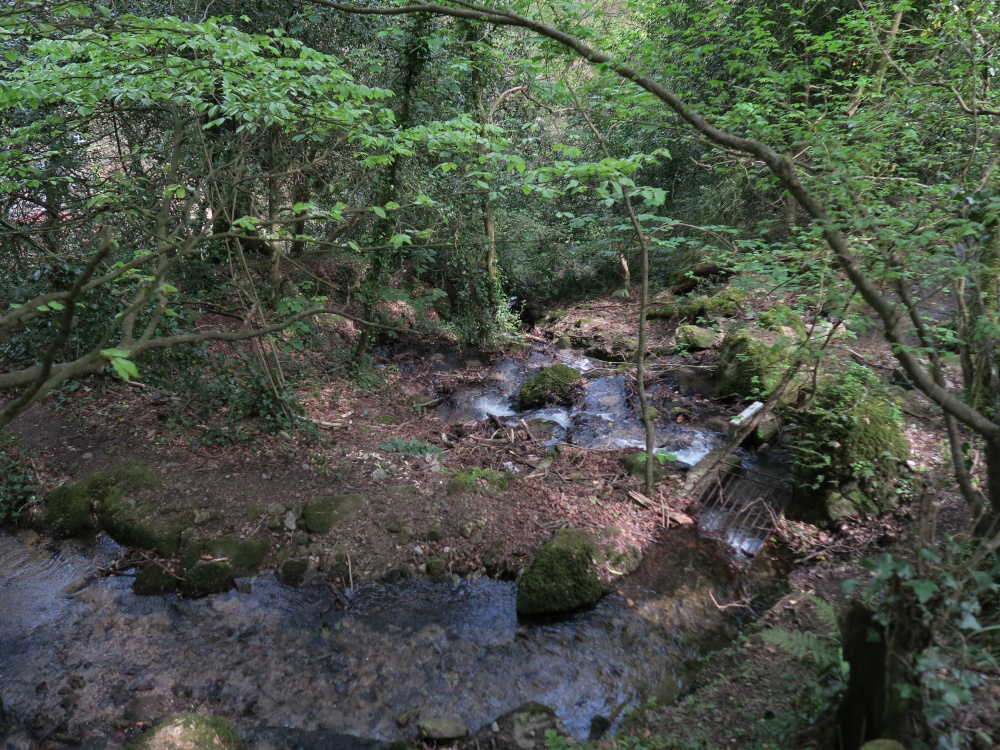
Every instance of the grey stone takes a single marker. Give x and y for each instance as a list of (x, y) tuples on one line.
[(442, 728), (290, 521)]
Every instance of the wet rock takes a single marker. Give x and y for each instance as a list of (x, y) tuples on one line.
[(599, 726), (146, 709), (696, 337), (4, 720), (295, 572), (153, 580), (563, 576), (189, 732), (398, 573), (321, 514), (204, 578), (552, 384), (443, 728)]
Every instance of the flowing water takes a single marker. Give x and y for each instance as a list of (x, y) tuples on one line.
[(293, 667), (86, 652)]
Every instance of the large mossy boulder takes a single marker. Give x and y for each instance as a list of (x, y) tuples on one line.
[(204, 578), (189, 732), (552, 384), (563, 576), (849, 448), (123, 502), (751, 363)]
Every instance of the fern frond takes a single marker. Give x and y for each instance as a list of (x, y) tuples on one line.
[(826, 613), (805, 646)]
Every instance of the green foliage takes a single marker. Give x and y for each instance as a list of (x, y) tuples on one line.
[(951, 591), (850, 443), (410, 447), (18, 483)]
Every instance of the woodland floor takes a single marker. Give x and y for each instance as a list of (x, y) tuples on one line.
[(744, 691)]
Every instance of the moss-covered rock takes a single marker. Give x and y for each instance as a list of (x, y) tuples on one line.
[(695, 337), (478, 480), (751, 363), (635, 464), (725, 304), (204, 578), (849, 448), (563, 576), (294, 572), (245, 556), (153, 580), (189, 732), (68, 508), (780, 317), (552, 384), (129, 511), (321, 514)]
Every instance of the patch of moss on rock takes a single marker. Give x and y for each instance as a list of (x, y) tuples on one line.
[(552, 384), (563, 576), (245, 556), (204, 578), (849, 448), (725, 304), (189, 732), (293, 572), (782, 316), (153, 580), (67, 508), (321, 514), (478, 480), (133, 516), (695, 337), (751, 363)]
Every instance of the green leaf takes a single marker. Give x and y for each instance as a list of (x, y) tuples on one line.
[(398, 240), (923, 588), (378, 211)]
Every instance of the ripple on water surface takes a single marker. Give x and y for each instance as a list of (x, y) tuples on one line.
[(287, 657)]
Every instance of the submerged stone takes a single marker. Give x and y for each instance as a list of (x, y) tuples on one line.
[(552, 384), (294, 572), (189, 732), (563, 576)]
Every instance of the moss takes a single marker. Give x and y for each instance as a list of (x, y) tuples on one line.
[(750, 364), (293, 572), (557, 315), (478, 480), (321, 514), (563, 576), (850, 448), (205, 578), (564, 342), (493, 553), (245, 556), (387, 419), (436, 566), (624, 560), (725, 304), (551, 384), (664, 311), (153, 580), (67, 508), (695, 337), (782, 316), (635, 464), (189, 732)]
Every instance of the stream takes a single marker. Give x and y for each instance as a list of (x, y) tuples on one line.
[(81, 654)]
